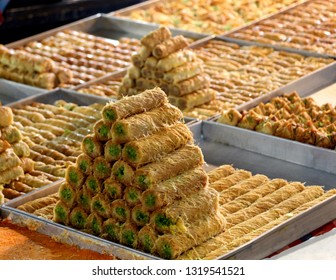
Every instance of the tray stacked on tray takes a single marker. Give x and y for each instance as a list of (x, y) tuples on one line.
[(210, 17), (309, 27)]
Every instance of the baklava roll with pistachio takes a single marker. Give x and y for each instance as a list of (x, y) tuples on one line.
[(129, 234), (155, 37), (146, 239), (176, 216), (94, 224), (74, 177), (78, 217), (101, 206), (92, 146), (101, 168), (132, 195), (61, 213), (123, 172), (149, 149), (93, 184), (111, 229), (113, 189), (112, 151), (175, 188), (140, 216), (169, 166), (128, 106), (84, 198), (84, 164), (67, 194), (170, 246), (102, 130), (137, 126), (170, 46), (120, 210)]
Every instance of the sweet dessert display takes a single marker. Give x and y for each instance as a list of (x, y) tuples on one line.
[(211, 17), (31, 69), (309, 27), (165, 61), (51, 136), (253, 205), (291, 117), (108, 88), (239, 74), (67, 59), (139, 180), (17, 170)]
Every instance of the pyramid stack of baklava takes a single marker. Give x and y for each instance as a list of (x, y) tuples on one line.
[(164, 61), (140, 181)]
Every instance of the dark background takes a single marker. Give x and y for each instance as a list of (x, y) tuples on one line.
[(24, 18)]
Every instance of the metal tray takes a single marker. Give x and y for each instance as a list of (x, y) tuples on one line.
[(106, 26), (305, 86), (109, 27), (125, 12), (11, 91), (64, 94), (221, 145), (288, 150), (62, 233), (215, 154), (121, 73), (250, 25), (70, 96)]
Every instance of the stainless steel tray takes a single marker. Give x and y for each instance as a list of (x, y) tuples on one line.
[(121, 73), (109, 27), (64, 94), (305, 85), (314, 161), (11, 91), (219, 147), (250, 25), (62, 233), (215, 154), (70, 96), (125, 12), (106, 26)]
